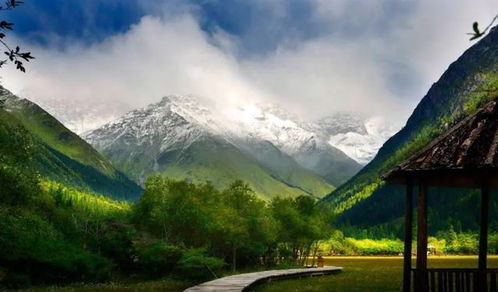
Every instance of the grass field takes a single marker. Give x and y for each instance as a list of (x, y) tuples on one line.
[(359, 274), (366, 274), (154, 286)]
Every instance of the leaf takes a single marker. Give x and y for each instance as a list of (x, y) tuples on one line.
[(6, 25)]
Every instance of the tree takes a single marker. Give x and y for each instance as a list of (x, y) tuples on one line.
[(244, 220), (301, 224), (14, 55)]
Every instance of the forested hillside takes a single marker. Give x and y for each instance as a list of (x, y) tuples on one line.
[(365, 202), (59, 154)]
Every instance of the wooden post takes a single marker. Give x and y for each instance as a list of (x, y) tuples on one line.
[(483, 239), (483, 233), (422, 283), (407, 256)]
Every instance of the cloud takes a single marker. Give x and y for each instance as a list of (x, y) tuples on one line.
[(378, 57)]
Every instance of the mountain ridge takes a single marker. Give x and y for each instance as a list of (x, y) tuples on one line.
[(468, 83), (63, 156), (165, 136)]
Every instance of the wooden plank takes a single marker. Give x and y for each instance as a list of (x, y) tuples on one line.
[(432, 280), (440, 285), (493, 282), (241, 282), (407, 255), (468, 280)]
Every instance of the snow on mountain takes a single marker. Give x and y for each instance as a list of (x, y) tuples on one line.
[(184, 140), (173, 121), (255, 122), (358, 136)]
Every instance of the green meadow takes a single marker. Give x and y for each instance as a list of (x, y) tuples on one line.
[(367, 274)]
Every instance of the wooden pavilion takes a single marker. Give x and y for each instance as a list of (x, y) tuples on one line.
[(465, 156)]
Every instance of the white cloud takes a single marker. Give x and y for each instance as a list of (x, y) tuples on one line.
[(172, 55)]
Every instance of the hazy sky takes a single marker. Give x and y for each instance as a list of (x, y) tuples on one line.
[(314, 56)]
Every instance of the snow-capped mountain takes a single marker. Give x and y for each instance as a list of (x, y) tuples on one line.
[(169, 135), (359, 136), (182, 139), (355, 134)]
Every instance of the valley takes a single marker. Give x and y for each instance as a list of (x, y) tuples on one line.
[(157, 146)]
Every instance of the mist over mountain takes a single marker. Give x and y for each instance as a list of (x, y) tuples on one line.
[(183, 138), (467, 84)]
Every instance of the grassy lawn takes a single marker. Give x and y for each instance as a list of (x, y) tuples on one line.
[(366, 274), (360, 274), (160, 285)]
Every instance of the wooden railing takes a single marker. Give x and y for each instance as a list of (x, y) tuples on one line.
[(446, 280)]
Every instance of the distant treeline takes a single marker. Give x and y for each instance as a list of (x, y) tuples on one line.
[(444, 243)]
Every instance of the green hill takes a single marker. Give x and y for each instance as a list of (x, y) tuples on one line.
[(220, 163), (365, 202), (61, 155)]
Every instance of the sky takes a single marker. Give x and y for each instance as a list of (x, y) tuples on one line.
[(314, 57)]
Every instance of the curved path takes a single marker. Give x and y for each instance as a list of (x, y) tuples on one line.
[(242, 282)]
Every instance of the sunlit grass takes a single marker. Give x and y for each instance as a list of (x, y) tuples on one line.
[(367, 274)]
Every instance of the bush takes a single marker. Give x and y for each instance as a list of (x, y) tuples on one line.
[(16, 281), (31, 246), (157, 259), (194, 264)]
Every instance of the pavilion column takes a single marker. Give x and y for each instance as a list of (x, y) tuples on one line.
[(483, 238), (407, 260), (422, 281), (483, 233)]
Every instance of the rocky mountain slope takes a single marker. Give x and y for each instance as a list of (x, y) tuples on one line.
[(467, 84), (62, 155), (181, 139), (357, 135)]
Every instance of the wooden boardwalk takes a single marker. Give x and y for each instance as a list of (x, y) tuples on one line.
[(243, 282)]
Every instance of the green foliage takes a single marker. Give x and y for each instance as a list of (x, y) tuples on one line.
[(94, 204), (220, 163), (483, 92), (55, 152), (458, 243), (468, 84), (32, 248), (301, 224), (194, 264), (340, 245), (233, 224), (18, 182), (158, 258)]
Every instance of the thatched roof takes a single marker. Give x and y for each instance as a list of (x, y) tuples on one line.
[(466, 155)]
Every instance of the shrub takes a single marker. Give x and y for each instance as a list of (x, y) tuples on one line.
[(31, 246), (157, 259), (194, 264)]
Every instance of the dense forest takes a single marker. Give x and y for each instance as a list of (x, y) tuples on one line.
[(51, 233)]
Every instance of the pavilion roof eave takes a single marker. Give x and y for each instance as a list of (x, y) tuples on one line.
[(454, 177)]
